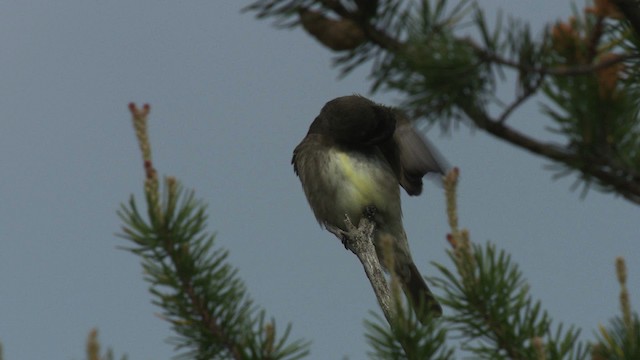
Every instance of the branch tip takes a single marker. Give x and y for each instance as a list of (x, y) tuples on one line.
[(138, 113), (452, 241)]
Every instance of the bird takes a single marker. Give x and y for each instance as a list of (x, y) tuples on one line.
[(354, 158)]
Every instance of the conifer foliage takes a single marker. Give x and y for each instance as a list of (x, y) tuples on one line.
[(190, 279)]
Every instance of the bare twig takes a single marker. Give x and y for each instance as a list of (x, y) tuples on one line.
[(360, 241), (528, 92)]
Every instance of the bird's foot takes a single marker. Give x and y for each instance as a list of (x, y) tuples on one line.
[(346, 236), (340, 234)]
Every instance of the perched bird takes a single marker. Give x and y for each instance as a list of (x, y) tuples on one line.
[(353, 158)]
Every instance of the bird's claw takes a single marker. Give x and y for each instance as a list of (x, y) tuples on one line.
[(340, 234)]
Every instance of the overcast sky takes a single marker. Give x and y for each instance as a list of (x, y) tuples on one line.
[(231, 97)]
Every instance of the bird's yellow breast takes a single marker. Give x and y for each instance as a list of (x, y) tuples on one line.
[(361, 184)]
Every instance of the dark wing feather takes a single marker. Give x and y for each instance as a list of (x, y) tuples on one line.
[(417, 157)]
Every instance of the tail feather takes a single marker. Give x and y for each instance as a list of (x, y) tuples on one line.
[(422, 299), (415, 288)]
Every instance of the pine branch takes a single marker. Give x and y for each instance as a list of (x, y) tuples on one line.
[(200, 293), (572, 70), (621, 340), (629, 187), (93, 348), (407, 338), (631, 11), (375, 35), (493, 312)]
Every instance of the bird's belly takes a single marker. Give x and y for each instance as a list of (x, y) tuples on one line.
[(357, 181)]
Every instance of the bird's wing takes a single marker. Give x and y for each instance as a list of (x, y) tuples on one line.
[(417, 158)]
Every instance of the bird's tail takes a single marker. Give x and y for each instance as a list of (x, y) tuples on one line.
[(422, 300)]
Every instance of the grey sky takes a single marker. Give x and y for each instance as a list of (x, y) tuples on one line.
[(231, 97)]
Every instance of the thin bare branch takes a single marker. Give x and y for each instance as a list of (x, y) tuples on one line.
[(528, 92), (360, 241)]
